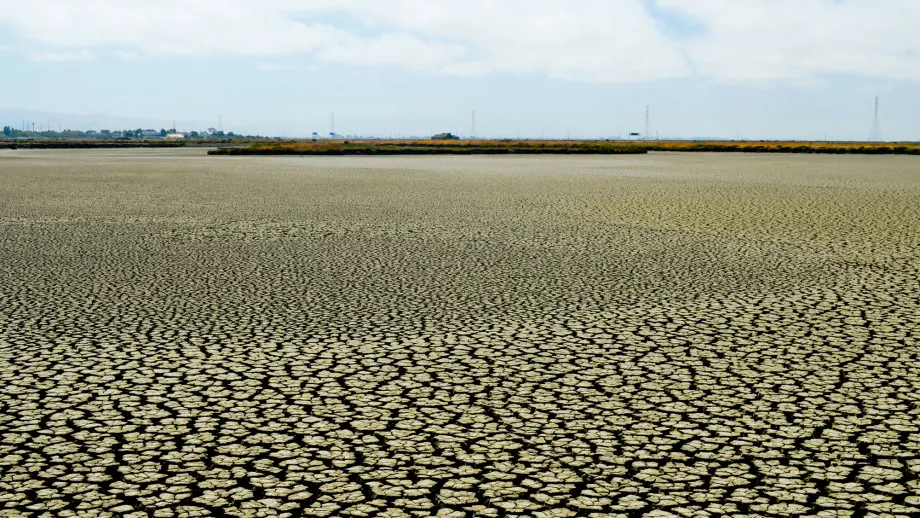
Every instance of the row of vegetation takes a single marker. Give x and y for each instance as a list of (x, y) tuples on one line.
[(600, 147), (471, 147), (431, 147), (866, 148)]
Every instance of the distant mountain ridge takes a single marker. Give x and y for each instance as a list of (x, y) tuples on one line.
[(16, 117)]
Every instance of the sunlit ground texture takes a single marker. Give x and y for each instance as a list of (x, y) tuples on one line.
[(660, 335)]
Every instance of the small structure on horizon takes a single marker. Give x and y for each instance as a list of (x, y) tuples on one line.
[(445, 136)]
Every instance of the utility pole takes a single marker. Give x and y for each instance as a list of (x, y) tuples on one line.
[(332, 125)]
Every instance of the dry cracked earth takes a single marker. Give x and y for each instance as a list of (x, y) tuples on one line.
[(664, 335)]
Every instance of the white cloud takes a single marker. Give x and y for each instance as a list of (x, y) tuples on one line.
[(595, 40), (66, 56), (275, 67), (590, 40), (796, 41), (127, 56), (761, 41), (168, 27), (398, 49)]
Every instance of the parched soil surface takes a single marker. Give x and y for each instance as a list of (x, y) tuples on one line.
[(660, 335)]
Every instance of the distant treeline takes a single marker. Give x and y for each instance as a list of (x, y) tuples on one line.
[(596, 147), (106, 144)]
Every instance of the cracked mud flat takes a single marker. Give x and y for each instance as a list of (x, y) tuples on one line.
[(458, 336)]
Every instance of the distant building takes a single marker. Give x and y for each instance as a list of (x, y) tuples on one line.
[(150, 133), (445, 136), (175, 136)]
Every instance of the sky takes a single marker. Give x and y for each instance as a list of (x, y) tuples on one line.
[(749, 69)]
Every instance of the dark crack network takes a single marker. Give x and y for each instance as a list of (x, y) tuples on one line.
[(663, 336)]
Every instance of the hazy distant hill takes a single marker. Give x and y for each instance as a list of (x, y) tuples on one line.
[(97, 121)]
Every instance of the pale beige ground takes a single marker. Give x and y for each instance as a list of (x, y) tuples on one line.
[(662, 335)]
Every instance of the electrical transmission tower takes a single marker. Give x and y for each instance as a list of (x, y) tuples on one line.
[(876, 134), (647, 127), (473, 126)]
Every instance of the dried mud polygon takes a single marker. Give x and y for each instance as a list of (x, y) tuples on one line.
[(664, 335)]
